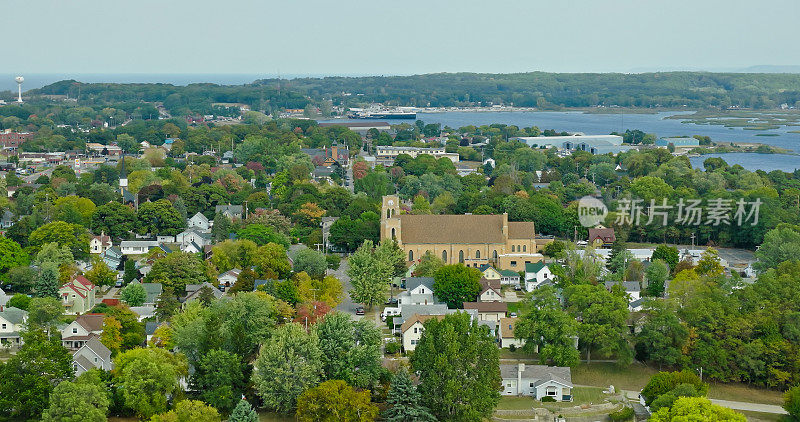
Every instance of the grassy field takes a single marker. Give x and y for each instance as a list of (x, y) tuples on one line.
[(635, 377), (582, 395), (764, 417)]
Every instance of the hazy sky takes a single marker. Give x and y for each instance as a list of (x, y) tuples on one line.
[(394, 37)]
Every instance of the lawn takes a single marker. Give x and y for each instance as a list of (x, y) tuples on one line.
[(636, 376), (581, 395)]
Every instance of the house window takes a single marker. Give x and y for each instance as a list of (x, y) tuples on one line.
[(393, 233), (531, 385), (513, 263), (494, 254), (74, 331), (508, 385), (4, 326)]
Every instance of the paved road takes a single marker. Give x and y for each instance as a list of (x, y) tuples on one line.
[(751, 407)]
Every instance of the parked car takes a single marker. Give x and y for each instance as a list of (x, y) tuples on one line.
[(391, 301), (360, 310), (518, 288)]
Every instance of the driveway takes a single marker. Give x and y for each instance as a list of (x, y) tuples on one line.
[(751, 407)]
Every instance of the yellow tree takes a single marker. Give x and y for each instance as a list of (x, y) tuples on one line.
[(112, 335), (309, 214)]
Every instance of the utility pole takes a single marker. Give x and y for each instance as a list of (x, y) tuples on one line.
[(693, 236)]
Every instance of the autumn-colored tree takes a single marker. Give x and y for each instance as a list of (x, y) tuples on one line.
[(111, 336)]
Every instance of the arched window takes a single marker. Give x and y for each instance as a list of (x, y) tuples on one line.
[(388, 213), (444, 256), (494, 254), (393, 233), (410, 255), (524, 248), (477, 254), (461, 256)]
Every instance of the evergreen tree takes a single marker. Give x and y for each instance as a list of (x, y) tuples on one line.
[(243, 412), (405, 401), (47, 282), (221, 228), (167, 304)]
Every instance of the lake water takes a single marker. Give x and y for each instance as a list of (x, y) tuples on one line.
[(657, 123)]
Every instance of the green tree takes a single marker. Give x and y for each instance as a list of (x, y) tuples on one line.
[(262, 235), (334, 401), (668, 254), (351, 350), (231, 254), (47, 283), (459, 370), (114, 219), (220, 379), (545, 325), (11, 255), (243, 412), (166, 304), (327, 289), (22, 279), (287, 365), (133, 294), (159, 217), (664, 382), (28, 377), (696, 409), (709, 265), (369, 279), (189, 411), (245, 281), (428, 264), (221, 228), (405, 402), (82, 400), (19, 301), (130, 271), (147, 377), (45, 313), (780, 244), (791, 402), (311, 262), (100, 274), (73, 236), (662, 336), (421, 206), (456, 284), (52, 252), (176, 270), (656, 275), (604, 317), (271, 262)]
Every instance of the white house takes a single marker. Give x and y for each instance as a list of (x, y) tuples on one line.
[(195, 236), (199, 221), (490, 291), (136, 247), (412, 327), (536, 275), (419, 291), (100, 244), (537, 381), (509, 278), (488, 311), (78, 332), (91, 355), (228, 278), (12, 322)]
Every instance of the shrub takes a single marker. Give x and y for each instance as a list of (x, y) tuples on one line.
[(621, 415), (392, 347), (548, 399), (512, 347)]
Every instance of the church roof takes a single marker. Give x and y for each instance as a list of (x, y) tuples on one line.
[(460, 229)]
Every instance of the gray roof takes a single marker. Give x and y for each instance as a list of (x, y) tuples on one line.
[(414, 282), (153, 290), (232, 209), (147, 243), (13, 315), (96, 346), (202, 216), (539, 374), (196, 293), (150, 327), (629, 286), (83, 362)]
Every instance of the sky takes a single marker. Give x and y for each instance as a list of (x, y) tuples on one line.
[(397, 37)]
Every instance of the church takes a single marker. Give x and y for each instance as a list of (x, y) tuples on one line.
[(473, 240)]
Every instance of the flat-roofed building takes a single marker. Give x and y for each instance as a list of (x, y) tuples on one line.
[(387, 154)]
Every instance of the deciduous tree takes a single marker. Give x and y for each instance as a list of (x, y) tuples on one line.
[(351, 350), (456, 284), (334, 401), (147, 377)]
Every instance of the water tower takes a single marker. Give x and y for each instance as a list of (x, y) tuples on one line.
[(19, 80)]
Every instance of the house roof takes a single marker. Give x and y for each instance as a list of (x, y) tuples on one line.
[(487, 307), (539, 374), (91, 322), (196, 293), (414, 282), (96, 346), (417, 318), (231, 209), (84, 282), (534, 267), (628, 286), (104, 239), (70, 286), (13, 315), (234, 272), (484, 267), (507, 326), (509, 273), (487, 284), (605, 234), (200, 216), (451, 229), (83, 362)]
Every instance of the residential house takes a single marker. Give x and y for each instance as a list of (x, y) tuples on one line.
[(509, 278), (419, 291), (489, 272), (78, 332), (92, 355), (488, 311), (153, 291), (228, 278), (100, 244), (193, 240), (413, 328), (12, 322), (199, 221), (537, 381), (7, 220), (505, 333), (601, 237), (631, 288), (230, 211), (78, 295), (490, 291), (136, 247), (408, 311), (112, 257), (193, 292), (537, 275)]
